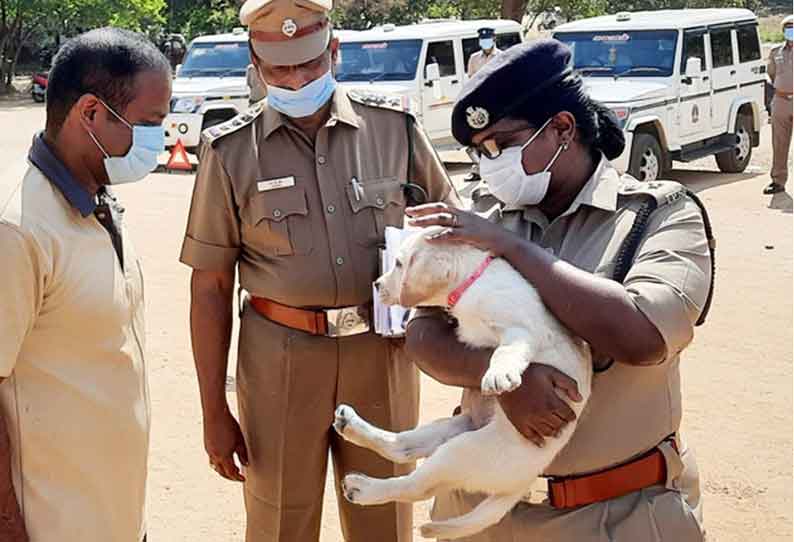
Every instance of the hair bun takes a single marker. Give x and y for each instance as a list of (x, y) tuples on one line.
[(609, 139)]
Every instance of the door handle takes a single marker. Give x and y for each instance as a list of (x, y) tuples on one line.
[(429, 84), (705, 77), (733, 72), (454, 82)]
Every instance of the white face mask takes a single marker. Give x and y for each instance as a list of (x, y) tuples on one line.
[(508, 181), (147, 143)]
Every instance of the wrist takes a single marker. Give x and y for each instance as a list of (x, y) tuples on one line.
[(215, 409)]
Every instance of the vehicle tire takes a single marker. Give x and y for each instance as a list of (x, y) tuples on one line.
[(736, 159), (647, 162)]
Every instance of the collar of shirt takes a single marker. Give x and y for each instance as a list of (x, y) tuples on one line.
[(41, 156), (341, 111)]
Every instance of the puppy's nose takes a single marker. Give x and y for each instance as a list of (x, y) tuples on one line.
[(377, 285)]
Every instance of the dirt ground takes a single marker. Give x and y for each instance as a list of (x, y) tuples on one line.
[(737, 374)]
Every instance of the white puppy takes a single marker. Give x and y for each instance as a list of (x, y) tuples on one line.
[(495, 307)]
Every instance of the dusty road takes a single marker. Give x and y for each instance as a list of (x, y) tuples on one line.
[(737, 374)]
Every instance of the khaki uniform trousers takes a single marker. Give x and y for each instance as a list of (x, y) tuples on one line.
[(781, 138), (655, 514), (289, 384)]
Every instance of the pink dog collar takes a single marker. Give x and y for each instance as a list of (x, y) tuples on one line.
[(458, 292)]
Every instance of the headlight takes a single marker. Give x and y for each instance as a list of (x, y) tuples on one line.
[(622, 113), (187, 105)]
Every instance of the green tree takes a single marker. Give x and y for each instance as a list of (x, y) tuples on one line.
[(22, 21)]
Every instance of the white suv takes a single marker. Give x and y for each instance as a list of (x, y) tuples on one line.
[(685, 84), (210, 87)]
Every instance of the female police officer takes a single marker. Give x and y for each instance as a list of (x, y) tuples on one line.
[(624, 265)]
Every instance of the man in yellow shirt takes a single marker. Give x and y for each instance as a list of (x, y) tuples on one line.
[(74, 405)]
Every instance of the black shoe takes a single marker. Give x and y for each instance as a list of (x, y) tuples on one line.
[(471, 178), (774, 188)]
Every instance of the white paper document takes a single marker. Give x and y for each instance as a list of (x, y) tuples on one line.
[(390, 320)]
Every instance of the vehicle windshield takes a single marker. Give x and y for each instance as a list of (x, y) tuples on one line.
[(641, 53), (216, 60), (378, 60)]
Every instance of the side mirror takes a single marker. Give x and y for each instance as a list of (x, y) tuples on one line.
[(693, 67), (432, 72)]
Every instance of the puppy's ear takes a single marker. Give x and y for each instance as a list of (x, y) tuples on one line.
[(426, 273)]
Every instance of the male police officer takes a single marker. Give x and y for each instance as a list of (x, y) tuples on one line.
[(73, 389), (488, 51), (295, 195), (779, 68)]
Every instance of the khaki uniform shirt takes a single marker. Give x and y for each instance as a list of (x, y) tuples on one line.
[(631, 409), (479, 59), (779, 67), (72, 353), (302, 220)]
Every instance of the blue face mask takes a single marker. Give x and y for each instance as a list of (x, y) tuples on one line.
[(147, 143), (789, 33), (486, 44), (305, 101)]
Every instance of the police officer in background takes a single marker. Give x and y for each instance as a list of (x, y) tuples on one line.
[(779, 68), (487, 52), (622, 264), (295, 196)]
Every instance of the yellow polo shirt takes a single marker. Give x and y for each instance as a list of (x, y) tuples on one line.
[(72, 354)]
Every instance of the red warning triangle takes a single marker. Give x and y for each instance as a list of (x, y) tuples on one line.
[(178, 158)]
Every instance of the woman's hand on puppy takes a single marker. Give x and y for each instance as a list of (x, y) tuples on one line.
[(536, 408), (461, 227)]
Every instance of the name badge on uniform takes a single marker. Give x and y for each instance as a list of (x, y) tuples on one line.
[(275, 184)]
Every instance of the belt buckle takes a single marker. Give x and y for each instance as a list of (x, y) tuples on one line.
[(347, 321)]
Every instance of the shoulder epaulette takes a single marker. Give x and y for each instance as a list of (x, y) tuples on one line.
[(663, 192), (214, 133), (393, 102)]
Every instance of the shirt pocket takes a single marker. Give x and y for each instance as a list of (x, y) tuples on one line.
[(278, 222), (376, 203)]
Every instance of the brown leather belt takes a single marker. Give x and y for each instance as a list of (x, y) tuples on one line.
[(647, 470), (340, 322)]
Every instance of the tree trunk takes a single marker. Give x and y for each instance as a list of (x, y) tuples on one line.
[(513, 9)]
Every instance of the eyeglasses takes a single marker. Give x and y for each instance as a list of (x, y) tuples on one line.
[(491, 149)]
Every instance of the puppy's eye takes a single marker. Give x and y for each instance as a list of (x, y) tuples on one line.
[(398, 264)]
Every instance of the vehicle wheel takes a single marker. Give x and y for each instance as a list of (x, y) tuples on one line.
[(647, 161), (736, 159)]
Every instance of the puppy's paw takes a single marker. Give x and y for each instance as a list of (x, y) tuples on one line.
[(500, 380), (359, 489), (343, 417)]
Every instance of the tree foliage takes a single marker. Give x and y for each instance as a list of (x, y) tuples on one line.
[(25, 21)]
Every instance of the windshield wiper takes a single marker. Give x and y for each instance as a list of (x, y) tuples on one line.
[(636, 69), (378, 76), (585, 69)]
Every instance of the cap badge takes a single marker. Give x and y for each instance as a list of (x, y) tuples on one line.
[(288, 28), (477, 117)]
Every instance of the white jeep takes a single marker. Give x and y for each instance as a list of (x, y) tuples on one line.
[(210, 87), (685, 84)]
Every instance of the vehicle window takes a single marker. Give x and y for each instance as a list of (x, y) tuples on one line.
[(694, 47), (443, 54), (721, 48), (637, 53), (749, 47), (383, 61), (506, 41), (216, 60), (470, 46)]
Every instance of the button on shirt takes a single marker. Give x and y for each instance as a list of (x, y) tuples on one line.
[(631, 409), (313, 240), (72, 355)]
